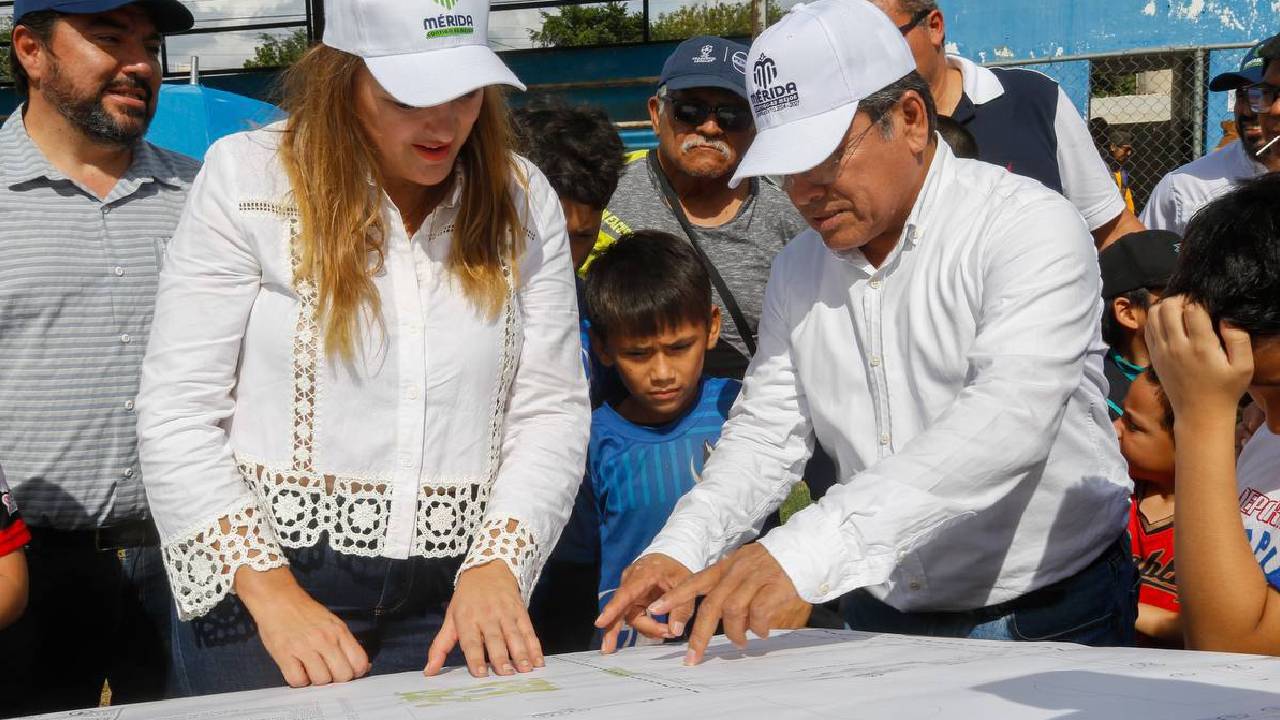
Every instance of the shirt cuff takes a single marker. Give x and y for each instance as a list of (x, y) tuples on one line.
[(810, 555), (696, 562), (1106, 212)]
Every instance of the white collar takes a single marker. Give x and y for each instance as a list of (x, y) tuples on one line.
[(980, 84)]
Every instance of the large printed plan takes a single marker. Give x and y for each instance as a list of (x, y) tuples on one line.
[(804, 674)]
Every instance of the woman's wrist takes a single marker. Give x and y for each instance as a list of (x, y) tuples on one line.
[(254, 586)]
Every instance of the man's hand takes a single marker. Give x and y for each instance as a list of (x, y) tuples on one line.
[(747, 590), (644, 581), (309, 644), (487, 617), (1199, 372)]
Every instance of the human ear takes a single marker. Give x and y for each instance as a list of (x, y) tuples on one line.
[(1126, 313), (600, 348), (713, 327)]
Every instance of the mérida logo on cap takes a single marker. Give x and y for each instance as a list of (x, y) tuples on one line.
[(769, 97), (447, 24)]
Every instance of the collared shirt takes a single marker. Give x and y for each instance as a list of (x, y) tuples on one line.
[(77, 286), (959, 388), (448, 433), (1184, 191), (1024, 122)]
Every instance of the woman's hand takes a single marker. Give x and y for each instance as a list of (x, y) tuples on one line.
[(487, 618), (309, 644)]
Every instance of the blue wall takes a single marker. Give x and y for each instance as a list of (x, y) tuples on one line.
[(991, 30)]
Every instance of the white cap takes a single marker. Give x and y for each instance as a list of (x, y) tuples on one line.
[(423, 52), (806, 75)]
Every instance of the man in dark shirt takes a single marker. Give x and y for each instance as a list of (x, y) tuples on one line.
[(1021, 119)]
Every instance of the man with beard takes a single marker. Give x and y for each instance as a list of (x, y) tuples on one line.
[(704, 127), (1185, 190), (86, 207)]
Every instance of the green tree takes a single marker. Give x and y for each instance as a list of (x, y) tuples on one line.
[(721, 20), (589, 25), (276, 51), (6, 37)]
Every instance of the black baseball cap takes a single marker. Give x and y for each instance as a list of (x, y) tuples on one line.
[(707, 61), (1139, 260), (170, 16), (1252, 66), (1269, 50)]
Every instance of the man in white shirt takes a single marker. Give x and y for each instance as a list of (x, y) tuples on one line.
[(1021, 119), (1185, 190), (936, 330)]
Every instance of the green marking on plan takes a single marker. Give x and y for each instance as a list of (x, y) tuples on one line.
[(478, 693)]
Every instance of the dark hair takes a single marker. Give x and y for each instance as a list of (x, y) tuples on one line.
[(962, 142), (646, 282), (1230, 258), (1113, 333), (912, 7), (1166, 416), (577, 148), (40, 23), (878, 104)]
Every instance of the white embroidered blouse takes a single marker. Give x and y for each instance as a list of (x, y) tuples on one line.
[(448, 434)]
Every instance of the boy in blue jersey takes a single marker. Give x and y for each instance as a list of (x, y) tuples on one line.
[(652, 319)]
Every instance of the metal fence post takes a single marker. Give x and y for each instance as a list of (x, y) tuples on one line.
[(1201, 115)]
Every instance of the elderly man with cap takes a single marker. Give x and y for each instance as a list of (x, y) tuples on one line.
[(1185, 190), (86, 207), (1022, 120), (703, 123), (937, 330)]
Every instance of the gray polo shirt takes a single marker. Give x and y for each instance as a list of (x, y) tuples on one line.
[(77, 289), (741, 249)]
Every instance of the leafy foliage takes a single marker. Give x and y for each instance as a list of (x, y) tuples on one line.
[(276, 52)]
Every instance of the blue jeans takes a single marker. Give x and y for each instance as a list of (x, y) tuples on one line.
[(1096, 606), (393, 607), (98, 611)]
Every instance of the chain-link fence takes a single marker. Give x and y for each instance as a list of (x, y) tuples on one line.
[(1149, 111)]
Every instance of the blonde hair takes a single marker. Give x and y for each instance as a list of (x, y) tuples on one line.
[(329, 159)]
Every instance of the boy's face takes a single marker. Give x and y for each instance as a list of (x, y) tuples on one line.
[(1265, 386), (661, 371), (583, 224), (1146, 443)]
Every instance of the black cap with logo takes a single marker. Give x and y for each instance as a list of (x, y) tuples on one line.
[(706, 61), (1139, 260)]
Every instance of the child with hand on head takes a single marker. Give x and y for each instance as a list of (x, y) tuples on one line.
[(1214, 337), (1146, 441)]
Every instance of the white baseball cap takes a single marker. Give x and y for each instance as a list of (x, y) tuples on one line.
[(806, 75), (423, 52)]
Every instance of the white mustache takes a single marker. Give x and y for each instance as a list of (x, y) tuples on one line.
[(719, 146)]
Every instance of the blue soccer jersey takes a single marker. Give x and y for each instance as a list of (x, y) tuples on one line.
[(635, 474)]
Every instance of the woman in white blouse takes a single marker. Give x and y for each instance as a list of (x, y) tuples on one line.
[(364, 367)]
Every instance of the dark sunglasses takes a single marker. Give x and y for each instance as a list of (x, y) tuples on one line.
[(910, 25), (730, 118)]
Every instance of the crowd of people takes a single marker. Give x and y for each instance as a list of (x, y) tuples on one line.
[(872, 339)]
